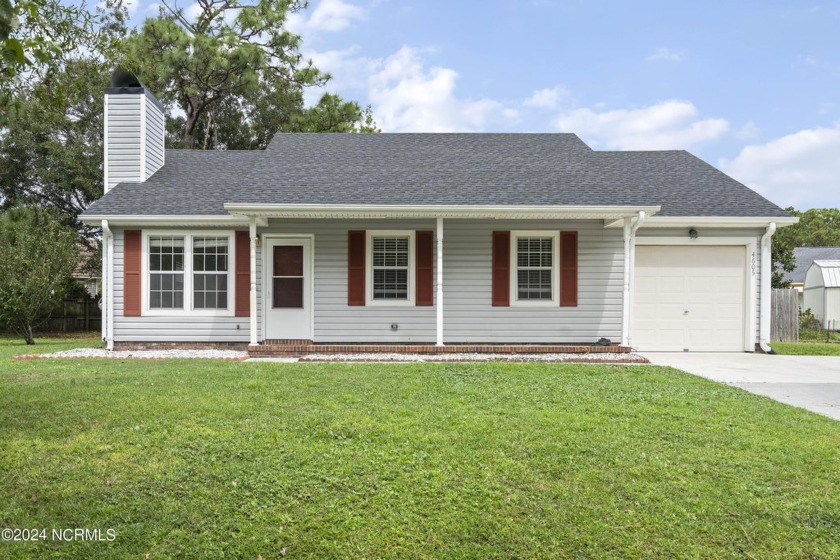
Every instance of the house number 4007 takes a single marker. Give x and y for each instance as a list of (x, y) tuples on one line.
[(752, 263)]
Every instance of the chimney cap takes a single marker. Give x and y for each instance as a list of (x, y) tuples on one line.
[(122, 79)]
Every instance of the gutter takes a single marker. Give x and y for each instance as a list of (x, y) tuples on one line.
[(629, 267), (107, 285), (765, 303)]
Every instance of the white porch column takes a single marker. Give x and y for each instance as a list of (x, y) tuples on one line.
[(630, 269), (625, 302), (253, 294), (439, 277)]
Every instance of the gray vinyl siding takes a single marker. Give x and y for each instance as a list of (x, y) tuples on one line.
[(169, 329), (756, 233), (334, 320), (154, 137), (123, 126), (468, 312)]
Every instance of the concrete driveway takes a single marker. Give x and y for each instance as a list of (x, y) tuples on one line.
[(811, 382)]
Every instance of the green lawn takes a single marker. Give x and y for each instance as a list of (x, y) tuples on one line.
[(205, 459), (807, 348)]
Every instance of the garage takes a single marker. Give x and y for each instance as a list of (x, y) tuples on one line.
[(689, 298)]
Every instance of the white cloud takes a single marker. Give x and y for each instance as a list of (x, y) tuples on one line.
[(748, 131), (409, 96), (548, 98), (667, 125), (801, 169), (328, 15), (665, 54)]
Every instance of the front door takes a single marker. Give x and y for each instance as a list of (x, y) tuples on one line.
[(288, 289)]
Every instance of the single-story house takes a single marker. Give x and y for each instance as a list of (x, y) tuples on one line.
[(804, 257), (822, 292), (428, 239)]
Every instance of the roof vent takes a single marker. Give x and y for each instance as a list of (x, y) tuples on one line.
[(123, 79)]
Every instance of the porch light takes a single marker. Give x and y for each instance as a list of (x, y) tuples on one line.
[(692, 233)]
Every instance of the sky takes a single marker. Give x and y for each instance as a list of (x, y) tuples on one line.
[(752, 87)]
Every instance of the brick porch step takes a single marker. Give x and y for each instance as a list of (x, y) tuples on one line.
[(277, 348)]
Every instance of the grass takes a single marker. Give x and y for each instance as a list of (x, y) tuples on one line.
[(205, 459), (807, 348)]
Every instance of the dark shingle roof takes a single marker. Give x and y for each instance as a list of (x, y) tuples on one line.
[(434, 169), (805, 257)]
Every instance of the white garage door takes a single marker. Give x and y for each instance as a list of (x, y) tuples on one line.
[(689, 298)]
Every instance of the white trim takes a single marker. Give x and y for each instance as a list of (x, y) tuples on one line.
[(555, 268), (709, 221), (412, 268), (143, 138), (212, 220), (106, 185), (188, 310), (267, 238), (435, 211), (750, 248)]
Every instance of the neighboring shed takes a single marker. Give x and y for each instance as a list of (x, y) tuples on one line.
[(822, 292), (804, 258)]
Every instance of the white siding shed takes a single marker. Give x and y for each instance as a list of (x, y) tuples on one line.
[(822, 292)]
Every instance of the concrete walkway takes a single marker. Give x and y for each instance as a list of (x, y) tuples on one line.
[(811, 382)]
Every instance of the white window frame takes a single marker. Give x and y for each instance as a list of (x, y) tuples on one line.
[(555, 269), (188, 310), (412, 267)]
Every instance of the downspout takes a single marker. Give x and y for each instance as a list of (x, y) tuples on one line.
[(107, 285), (629, 267), (765, 304)]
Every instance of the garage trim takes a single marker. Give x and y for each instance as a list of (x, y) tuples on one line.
[(750, 262)]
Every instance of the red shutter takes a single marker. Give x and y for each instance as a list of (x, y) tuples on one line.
[(501, 268), (425, 268), (356, 267), (131, 273), (242, 278), (568, 268)]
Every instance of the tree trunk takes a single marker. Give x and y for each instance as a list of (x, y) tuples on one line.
[(190, 124), (28, 336)]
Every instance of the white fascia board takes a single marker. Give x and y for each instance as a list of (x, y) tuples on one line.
[(435, 211), (172, 221), (710, 221)]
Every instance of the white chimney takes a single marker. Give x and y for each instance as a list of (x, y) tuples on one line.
[(134, 131)]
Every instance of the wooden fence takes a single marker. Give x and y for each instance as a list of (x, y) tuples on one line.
[(73, 315), (784, 320)]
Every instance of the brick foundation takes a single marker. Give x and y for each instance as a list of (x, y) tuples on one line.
[(299, 348), (181, 346)]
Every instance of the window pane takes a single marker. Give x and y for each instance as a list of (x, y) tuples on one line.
[(288, 292), (390, 251), (210, 291), (166, 290), (534, 284), (288, 260), (390, 284)]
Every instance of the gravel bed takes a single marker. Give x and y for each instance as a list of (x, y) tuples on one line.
[(146, 354), (359, 357), (466, 357)]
